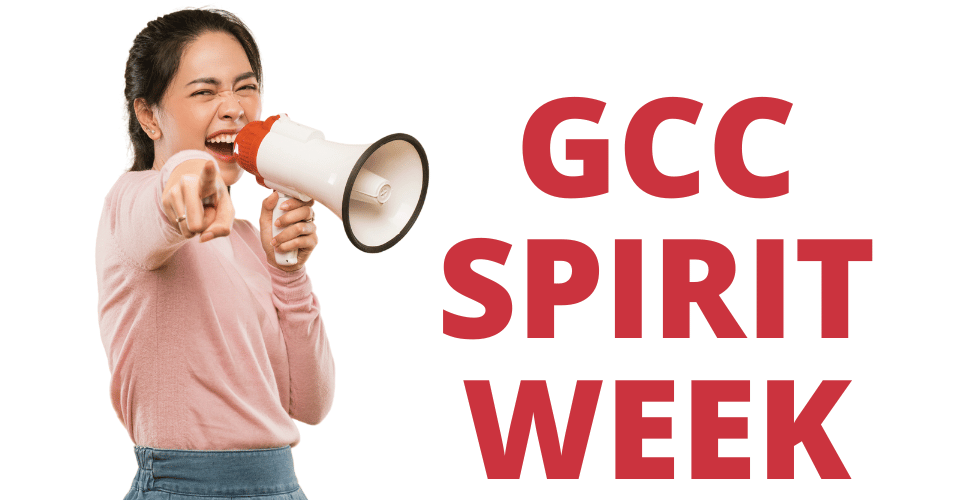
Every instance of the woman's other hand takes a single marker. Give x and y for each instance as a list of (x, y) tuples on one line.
[(298, 230), (196, 201)]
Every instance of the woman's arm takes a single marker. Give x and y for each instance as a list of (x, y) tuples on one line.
[(310, 365), (135, 211)]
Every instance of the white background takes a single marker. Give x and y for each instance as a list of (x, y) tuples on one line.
[(878, 146)]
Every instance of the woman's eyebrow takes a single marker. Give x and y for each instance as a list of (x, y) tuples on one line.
[(209, 80), (244, 76)]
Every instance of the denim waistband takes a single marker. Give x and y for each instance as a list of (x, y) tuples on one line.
[(216, 473)]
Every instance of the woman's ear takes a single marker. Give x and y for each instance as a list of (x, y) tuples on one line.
[(147, 119)]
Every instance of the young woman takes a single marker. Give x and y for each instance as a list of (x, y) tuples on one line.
[(213, 347)]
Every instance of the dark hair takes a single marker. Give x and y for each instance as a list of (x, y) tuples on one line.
[(154, 59)]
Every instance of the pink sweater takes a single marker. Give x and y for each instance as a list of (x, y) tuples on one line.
[(209, 347)]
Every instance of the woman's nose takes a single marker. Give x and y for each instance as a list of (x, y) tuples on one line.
[(230, 107)]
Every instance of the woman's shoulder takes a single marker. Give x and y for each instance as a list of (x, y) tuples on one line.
[(132, 187), (246, 226), (130, 177), (248, 232), (250, 235)]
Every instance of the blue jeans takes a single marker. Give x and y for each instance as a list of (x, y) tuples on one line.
[(190, 474)]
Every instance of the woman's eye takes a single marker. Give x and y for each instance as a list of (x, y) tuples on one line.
[(247, 87), (202, 92)]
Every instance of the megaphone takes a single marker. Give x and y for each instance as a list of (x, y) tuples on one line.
[(376, 189)]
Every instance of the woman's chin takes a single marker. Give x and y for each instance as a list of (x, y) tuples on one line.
[(230, 172)]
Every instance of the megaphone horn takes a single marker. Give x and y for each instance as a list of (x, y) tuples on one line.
[(376, 189)]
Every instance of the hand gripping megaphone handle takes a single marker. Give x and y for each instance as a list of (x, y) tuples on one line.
[(290, 257)]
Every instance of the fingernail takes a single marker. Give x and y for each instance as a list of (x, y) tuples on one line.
[(206, 237), (277, 223), (274, 242)]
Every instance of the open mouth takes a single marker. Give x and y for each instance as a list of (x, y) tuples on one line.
[(221, 146)]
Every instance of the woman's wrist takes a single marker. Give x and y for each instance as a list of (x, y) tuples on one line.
[(281, 273)]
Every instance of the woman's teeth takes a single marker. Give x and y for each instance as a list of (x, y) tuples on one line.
[(222, 144), (222, 138)]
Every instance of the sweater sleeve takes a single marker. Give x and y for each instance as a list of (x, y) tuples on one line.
[(310, 364), (135, 217)]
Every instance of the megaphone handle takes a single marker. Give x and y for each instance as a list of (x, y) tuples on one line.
[(288, 258)]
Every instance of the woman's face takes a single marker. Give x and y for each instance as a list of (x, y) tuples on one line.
[(212, 96)]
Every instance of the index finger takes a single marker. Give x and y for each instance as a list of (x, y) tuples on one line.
[(296, 203), (223, 221), (208, 180)]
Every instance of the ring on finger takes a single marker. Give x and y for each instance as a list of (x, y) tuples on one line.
[(181, 219)]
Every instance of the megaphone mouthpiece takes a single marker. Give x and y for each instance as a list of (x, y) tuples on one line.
[(247, 143)]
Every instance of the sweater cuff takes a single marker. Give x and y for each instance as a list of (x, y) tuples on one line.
[(290, 285), (176, 159)]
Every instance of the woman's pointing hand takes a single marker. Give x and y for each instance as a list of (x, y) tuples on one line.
[(196, 201)]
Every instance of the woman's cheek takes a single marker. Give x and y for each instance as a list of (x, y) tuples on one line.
[(255, 108)]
